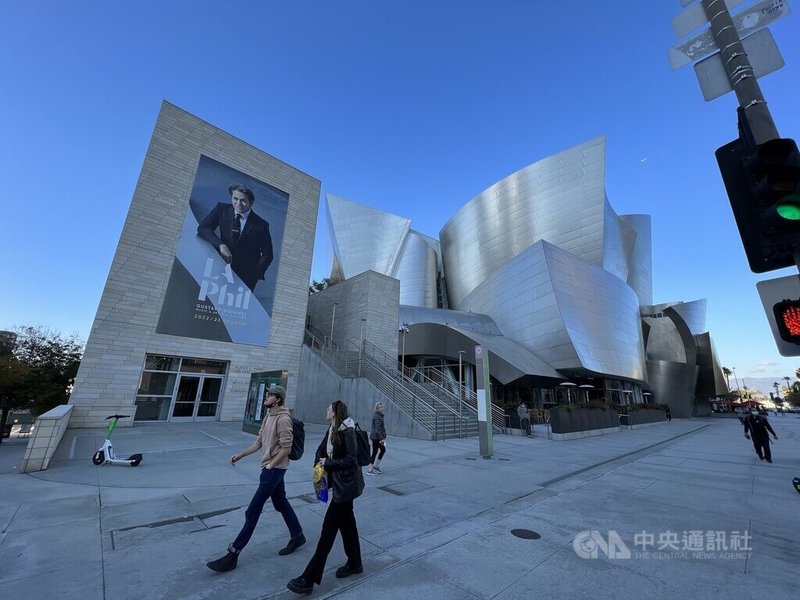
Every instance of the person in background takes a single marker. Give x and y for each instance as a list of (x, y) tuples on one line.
[(378, 437), (668, 413), (524, 418), (338, 455)]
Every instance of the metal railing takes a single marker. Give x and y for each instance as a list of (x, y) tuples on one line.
[(379, 369), (449, 423), (444, 385)]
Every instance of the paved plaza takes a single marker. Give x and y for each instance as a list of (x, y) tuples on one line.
[(686, 506)]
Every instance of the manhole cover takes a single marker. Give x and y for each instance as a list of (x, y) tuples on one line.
[(470, 458), (505, 459), (525, 534)]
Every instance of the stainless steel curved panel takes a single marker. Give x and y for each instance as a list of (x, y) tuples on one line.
[(694, 314), (674, 384), (618, 242), (640, 264), (364, 238), (571, 313), (560, 199), (414, 315), (417, 271)]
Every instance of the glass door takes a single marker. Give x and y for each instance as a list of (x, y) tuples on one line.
[(197, 398), (183, 409), (209, 399)]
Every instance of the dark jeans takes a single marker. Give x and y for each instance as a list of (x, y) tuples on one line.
[(338, 517), (762, 448), (270, 485), (377, 446), (525, 425)]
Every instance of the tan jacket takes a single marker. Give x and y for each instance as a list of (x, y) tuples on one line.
[(275, 434)]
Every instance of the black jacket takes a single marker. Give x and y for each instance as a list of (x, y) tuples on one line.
[(758, 427), (252, 253), (378, 431), (344, 474)]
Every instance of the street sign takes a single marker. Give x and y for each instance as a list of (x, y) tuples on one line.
[(695, 17), (773, 293), (764, 56), (746, 22)]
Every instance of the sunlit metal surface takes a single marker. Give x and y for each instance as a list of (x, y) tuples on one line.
[(640, 265), (560, 199), (367, 239), (417, 271), (574, 315), (364, 238), (543, 271)]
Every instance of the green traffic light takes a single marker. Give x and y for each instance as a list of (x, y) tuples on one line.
[(790, 212)]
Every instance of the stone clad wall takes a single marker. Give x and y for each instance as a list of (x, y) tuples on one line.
[(124, 329)]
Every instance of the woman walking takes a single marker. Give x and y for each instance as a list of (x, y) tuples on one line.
[(378, 436), (337, 454)]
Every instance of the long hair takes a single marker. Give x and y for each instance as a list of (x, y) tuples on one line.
[(340, 413)]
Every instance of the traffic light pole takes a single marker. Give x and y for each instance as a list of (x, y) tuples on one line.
[(740, 72)]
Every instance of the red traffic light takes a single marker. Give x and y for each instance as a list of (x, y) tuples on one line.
[(787, 317)]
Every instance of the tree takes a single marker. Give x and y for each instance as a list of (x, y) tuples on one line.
[(727, 372), (318, 286), (37, 369)]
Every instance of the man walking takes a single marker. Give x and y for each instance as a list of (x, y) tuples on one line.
[(275, 440), (756, 428)]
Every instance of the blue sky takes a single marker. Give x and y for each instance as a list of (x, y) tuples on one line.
[(412, 107)]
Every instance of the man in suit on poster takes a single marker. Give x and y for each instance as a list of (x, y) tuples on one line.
[(244, 241)]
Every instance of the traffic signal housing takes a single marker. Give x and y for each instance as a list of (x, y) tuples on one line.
[(763, 185), (787, 318)]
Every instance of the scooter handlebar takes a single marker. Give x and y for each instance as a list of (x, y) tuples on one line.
[(117, 417)]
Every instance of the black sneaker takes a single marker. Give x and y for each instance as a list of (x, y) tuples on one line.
[(293, 545), (345, 571), (226, 563), (300, 585)]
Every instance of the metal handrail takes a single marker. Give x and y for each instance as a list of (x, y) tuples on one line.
[(384, 359), (470, 398), (351, 363)]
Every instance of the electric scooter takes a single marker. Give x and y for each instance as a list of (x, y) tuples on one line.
[(105, 455)]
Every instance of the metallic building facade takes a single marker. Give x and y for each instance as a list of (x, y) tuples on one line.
[(544, 258)]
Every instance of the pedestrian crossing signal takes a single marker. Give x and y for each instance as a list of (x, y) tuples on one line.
[(787, 318)]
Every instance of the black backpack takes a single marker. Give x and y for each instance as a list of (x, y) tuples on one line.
[(298, 439), (363, 454)]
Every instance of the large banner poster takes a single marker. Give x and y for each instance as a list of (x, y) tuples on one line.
[(222, 285)]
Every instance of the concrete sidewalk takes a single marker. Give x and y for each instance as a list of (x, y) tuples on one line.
[(437, 524)]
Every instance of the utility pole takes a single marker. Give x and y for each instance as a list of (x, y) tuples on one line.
[(740, 72), (460, 385), (333, 320)]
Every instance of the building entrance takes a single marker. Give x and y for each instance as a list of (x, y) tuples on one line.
[(180, 389), (196, 398)]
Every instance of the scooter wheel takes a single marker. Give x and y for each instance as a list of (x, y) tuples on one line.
[(135, 459), (99, 457)]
